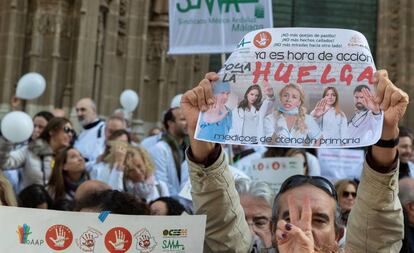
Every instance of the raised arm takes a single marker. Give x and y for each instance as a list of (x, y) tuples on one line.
[(376, 221), (213, 190)]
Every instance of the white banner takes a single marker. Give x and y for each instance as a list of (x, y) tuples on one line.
[(25, 230), (214, 26), (296, 87), (341, 163), (275, 170)]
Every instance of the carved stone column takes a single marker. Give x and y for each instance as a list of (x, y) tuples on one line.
[(166, 75), (12, 40)]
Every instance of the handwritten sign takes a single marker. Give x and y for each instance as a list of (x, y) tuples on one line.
[(296, 87)]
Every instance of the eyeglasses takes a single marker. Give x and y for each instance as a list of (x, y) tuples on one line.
[(69, 130), (346, 194), (299, 180)]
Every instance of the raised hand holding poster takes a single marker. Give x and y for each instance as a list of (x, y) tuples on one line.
[(301, 87)]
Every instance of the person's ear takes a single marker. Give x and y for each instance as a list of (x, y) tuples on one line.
[(52, 133), (170, 124)]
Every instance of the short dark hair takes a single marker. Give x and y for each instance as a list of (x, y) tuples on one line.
[(360, 87), (34, 195), (174, 206), (115, 202), (405, 132), (44, 114), (169, 116)]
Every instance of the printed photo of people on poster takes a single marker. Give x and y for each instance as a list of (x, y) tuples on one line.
[(302, 87)]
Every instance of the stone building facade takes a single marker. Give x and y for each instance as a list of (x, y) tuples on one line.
[(395, 46), (94, 48)]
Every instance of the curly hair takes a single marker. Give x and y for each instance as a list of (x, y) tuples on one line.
[(7, 196), (146, 159)]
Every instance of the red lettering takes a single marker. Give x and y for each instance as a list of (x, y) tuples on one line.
[(285, 77), (304, 72), (257, 72), (347, 78), (366, 74), (324, 77)]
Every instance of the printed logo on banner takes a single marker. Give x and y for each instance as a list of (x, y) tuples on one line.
[(275, 165), (118, 240), (356, 41), (23, 233), (222, 5), (59, 237), (172, 245), (181, 232), (87, 240), (145, 241), (262, 39), (243, 43)]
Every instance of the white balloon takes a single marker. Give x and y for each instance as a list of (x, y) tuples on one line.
[(30, 86), (175, 102), (129, 100), (17, 126)]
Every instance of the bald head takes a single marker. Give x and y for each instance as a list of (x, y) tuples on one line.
[(89, 187), (86, 111), (59, 112)]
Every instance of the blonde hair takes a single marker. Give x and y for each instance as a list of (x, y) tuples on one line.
[(148, 164), (300, 120), (6, 192), (341, 185)]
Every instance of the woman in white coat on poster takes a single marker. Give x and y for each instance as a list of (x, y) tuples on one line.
[(292, 125), (330, 118), (249, 115)]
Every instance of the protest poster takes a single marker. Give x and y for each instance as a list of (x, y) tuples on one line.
[(275, 170), (214, 26), (347, 163), (295, 87), (35, 230)]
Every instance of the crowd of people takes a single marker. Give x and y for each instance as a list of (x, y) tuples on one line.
[(103, 168)]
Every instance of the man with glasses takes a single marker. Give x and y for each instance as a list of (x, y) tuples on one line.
[(256, 198), (305, 210)]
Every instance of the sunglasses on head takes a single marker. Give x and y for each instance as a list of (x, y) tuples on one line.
[(69, 130), (319, 182), (346, 194)]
